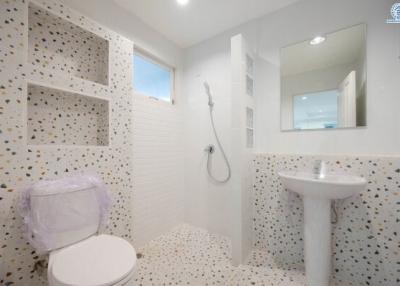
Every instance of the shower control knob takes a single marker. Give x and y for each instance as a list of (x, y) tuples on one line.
[(210, 149)]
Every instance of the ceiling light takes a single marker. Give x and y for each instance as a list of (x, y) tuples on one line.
[(182, 2), (317, 40)]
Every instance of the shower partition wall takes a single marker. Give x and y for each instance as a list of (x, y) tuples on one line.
[(223, 209), (242, 65)]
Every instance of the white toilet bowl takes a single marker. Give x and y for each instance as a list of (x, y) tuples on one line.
[(63, 219), (102, 260)]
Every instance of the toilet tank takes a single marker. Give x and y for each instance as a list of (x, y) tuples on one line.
[(64, 212)]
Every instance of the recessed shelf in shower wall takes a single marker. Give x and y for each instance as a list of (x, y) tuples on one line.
[(64, 48), (60, 117)]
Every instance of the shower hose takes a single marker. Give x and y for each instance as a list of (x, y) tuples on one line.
[(210, 151)]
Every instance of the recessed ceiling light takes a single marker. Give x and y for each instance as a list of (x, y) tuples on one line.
[(182, 2), (317, 40)]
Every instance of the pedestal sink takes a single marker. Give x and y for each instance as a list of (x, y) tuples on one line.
[(317, 195)]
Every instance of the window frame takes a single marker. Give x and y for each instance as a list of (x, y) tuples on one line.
[(157, 61)]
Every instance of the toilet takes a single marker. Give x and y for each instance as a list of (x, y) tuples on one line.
[(64, 219)]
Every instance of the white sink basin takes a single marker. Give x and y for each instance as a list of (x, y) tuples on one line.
[(317, 195), (330, 187)]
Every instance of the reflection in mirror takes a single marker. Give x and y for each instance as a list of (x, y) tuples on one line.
[(316, 110), (323, 81)]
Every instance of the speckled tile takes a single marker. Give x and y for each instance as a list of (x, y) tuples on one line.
[(262, 269), (191, 256), (366, 240), (53, 43), (262, 259), (185, 256), (51, 54), (262, 276), (57, 117)]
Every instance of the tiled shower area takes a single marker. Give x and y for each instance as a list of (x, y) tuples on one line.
[(365, 237), (192, 256)]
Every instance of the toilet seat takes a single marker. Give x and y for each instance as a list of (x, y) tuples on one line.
[(102, 260)]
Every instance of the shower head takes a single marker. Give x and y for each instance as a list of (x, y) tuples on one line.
[(208, 92)]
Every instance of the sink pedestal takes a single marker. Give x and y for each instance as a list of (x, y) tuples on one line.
[(317, 196), (317, 240)]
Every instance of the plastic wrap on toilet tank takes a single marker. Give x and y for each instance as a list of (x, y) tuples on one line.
[(61, 212)]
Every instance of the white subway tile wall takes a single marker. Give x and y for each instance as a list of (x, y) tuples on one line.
[(158, 168)]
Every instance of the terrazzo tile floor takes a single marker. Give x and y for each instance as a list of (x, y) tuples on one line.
[(192, 256)]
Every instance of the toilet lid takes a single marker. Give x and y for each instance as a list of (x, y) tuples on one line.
[(97, 261)]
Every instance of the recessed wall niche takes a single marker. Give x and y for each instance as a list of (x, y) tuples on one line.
[(58, 117), (249, 75), (249, 127), (64, 48)]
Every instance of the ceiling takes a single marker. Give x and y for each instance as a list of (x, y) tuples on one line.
[(200, 19), (342, 47)]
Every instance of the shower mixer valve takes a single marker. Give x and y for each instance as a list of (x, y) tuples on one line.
[(210, 149)]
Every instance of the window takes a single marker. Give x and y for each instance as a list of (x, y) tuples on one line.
[(316, 110), (152, 78)]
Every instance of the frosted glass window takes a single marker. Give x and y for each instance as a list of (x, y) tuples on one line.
[(249, 85), (249, 65), (151, 78), (249, 138), (249, 117)]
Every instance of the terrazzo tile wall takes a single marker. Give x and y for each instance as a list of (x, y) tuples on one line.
[(366, 239), (96, 63), (53, 44), (63, 118)]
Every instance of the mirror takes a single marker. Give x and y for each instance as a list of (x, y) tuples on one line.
[(323, 81)]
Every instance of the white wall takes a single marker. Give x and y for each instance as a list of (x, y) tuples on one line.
[(303, 20), (112, 16), (241, 159), (157, 128), (220, 208), (157, 168), (206, 204)]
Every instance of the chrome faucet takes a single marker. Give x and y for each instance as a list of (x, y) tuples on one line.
[(319, 169)]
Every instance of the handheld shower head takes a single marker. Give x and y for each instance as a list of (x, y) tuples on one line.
[(210, 149), (208, 92)]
